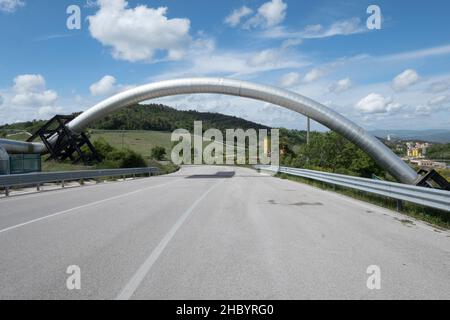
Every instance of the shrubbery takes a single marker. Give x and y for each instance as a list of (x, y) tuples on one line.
[(439, 151), (114, 158), (331, 152), (158, 153)]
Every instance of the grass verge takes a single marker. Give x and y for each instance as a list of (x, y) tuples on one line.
[(54, 166)]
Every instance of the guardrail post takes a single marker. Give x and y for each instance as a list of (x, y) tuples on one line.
[(38, 187), (63, 184), (399, 205), (6, 191)]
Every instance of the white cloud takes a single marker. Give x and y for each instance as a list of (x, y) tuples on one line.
[(136, 34), (430, 109), (264, 57), (439, 86), (423, 110), (29, 83), (339, 28), (108, 86), (317, 31), (291, 43), (315, 74), (47, 97), (91, 4), (30, 90), (270, 14), (47, 112), (341, 86), (27, 99), (237, 15), (105, 86), (405, 79), (439, 100), (11, 6), (1, 100), (375, 104), (290, 79), (273, 12), (213, 62), (419, 54)]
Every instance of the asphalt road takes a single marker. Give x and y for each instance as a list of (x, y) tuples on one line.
[(214, 233)]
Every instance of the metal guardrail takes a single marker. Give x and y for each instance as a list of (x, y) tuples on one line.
[(37, 179), (434, 198)]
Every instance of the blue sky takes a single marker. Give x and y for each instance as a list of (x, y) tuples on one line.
[(397, 77)]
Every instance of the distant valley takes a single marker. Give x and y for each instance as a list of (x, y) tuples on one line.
[(433, 135)]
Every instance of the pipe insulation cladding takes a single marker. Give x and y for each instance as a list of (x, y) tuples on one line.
[(284, 98)]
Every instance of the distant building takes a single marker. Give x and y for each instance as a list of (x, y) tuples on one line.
[(429, 164), (417, 149)]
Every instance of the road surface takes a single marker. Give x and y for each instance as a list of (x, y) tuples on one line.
[(214, 233)]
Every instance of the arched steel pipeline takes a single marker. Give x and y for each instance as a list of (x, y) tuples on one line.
[(287, 99), (13, 146)]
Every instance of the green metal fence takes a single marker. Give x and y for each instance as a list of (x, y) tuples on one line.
[(24, 163), (4, 167)]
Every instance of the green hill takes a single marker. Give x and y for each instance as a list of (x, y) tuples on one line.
[(151, 117), (158, 117)]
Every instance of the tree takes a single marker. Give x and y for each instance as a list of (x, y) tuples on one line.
[(158, 153), (439, 151), (331, 152)]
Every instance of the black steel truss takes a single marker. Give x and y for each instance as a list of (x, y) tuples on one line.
[(68, 145), (430, 178)]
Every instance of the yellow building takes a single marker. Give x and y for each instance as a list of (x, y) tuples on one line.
[(415, 152)]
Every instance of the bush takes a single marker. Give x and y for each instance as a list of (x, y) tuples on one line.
[(158, 153), (103, 148), (113, 158), (133, 160)]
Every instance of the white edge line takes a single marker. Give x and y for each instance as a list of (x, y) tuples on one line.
[(132, 285), (83, 206), (59, 190)]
